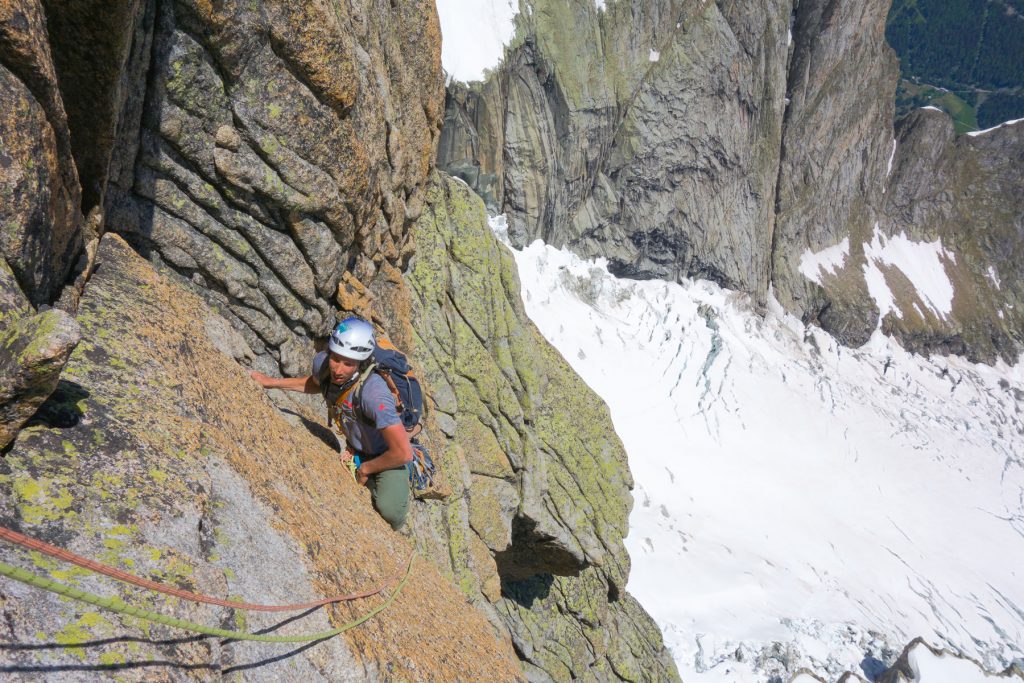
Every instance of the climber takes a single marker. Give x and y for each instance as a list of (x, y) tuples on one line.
[(365, 410)]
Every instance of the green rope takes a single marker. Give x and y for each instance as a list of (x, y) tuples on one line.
[(119, 606)]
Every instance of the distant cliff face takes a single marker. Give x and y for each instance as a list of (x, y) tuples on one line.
[(723, 141), (257, 171), (648, 134), (966, 192)]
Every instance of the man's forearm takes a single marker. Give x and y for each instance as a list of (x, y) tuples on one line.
[(387, 460), (307, 385)]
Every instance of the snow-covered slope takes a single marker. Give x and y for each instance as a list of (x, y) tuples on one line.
[(797, 503)]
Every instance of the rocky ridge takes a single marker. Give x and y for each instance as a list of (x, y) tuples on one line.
[(721, 141), (541, 486)]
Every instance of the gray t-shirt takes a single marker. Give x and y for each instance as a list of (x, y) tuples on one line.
[(361, 424)]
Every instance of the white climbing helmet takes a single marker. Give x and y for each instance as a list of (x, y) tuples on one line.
[(352, 338)]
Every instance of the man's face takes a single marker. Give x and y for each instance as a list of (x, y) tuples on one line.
[(342, 368)]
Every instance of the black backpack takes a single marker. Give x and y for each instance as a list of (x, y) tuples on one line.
[(393, 367)]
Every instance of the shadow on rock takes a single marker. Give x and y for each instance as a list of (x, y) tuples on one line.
[(171, 642), (527, 591), (64, 408), (318, 430)]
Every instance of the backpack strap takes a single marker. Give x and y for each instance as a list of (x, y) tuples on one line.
[(386, 376), (399, 406), (352, 390), (355, 391)]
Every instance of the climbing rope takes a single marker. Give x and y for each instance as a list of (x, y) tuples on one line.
[(119, 606), (61, 554)]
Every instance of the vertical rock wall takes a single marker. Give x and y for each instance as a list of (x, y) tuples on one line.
[(836, 143), (40, 221), (279, 147), (533, 530), (40, 199)]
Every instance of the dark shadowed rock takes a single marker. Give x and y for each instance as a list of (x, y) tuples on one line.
[(92, 44), (40, 206), (13, 303)]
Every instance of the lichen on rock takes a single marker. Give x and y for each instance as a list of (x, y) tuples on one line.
[(545, 479)]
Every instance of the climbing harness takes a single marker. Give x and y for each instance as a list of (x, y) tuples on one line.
[(119, 606), (99, 568)]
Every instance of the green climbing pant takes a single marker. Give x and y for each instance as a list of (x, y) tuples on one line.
[(390, 490)]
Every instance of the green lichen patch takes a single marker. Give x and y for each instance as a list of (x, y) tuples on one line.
[(90, 626)]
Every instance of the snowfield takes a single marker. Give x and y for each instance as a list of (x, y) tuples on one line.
[(798, 504)]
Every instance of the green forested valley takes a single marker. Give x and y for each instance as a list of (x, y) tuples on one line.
[(963, 56)]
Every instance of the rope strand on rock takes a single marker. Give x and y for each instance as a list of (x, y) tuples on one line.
[(119, 606), (99, 568)]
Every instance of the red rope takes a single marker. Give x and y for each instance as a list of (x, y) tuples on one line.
[(53, 551)]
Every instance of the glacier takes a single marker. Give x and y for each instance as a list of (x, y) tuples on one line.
[(799, 505)]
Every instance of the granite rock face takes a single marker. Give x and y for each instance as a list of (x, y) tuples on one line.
[(837, 140), (159, 455), (533, 530), (959, 197), (965, 192), (650, 135), (41, 235), (277, 147)]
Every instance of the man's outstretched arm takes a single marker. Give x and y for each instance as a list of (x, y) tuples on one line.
[(306, 385)]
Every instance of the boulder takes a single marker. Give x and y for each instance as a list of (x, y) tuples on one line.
[(35, 348)]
